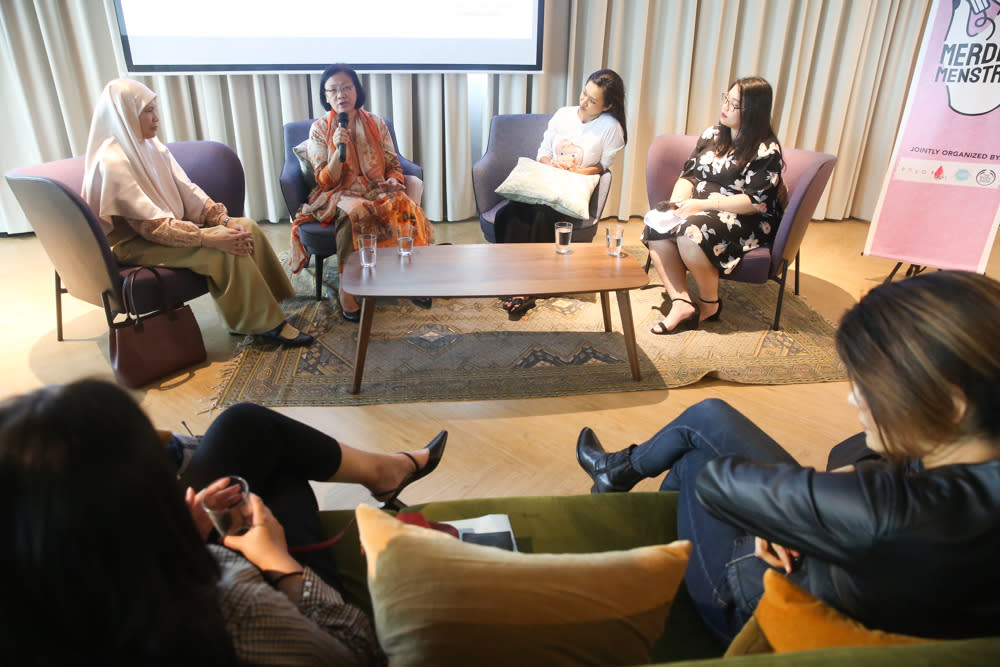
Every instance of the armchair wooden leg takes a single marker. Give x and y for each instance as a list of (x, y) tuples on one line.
[(797, 263)]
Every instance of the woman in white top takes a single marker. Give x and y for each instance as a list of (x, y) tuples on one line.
[(584, 140), (154, 215)]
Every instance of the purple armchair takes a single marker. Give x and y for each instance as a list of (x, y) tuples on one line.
[(806, 174), (71, 235)]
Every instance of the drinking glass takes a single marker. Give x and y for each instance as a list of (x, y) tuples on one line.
[(614, 236), (564, 233), (366, 244), (229, 509), (404, 237)]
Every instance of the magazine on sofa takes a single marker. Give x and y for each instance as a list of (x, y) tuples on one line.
[(492, 530)]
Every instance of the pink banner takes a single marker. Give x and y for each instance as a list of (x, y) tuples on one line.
[(940, 203)]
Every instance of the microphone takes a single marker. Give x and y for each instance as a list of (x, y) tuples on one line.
[(342, 148)]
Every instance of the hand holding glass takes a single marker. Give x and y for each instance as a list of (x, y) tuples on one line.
[(229, 507)]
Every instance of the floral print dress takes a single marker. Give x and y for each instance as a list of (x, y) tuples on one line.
[(724, 237)]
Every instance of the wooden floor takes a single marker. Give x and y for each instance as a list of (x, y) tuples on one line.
[(495, 448)]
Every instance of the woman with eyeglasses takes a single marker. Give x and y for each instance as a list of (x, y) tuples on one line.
[(726, 202), (359, 181), (902, 531)]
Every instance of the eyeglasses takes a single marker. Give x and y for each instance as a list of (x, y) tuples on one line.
[(347, 90), (728, 103)]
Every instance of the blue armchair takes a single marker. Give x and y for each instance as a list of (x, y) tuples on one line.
[(320, 240)]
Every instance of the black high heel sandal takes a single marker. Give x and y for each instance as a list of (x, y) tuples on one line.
[(390, 499), (689, 323), (714, 316)]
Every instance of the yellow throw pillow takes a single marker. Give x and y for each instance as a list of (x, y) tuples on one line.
[(438, 601), (536, 183), (794, 620)]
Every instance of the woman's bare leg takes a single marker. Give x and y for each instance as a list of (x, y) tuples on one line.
[(704, 273), (670, 266), (376, 472)]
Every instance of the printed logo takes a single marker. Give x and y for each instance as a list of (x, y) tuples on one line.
[(986, 177), (969, 61), (962, 175)]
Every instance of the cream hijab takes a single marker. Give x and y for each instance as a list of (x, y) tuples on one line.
[(130, 176)]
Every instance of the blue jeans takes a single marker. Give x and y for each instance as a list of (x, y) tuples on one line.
[(724, 578)]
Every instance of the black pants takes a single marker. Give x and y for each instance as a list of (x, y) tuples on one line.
[(277, 456), (527, 223)]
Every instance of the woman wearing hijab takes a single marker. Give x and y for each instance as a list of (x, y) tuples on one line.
[(359, 181), (154, 215)]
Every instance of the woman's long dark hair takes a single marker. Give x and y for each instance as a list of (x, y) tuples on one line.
[(613, 88), (101, 557), (756, 99)]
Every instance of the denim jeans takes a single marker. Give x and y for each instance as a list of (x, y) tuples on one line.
[(723, 577)]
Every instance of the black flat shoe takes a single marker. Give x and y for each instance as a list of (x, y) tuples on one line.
[(519, 305), (422, 302), (610, 472), (351, 315), (390, 499), (274, 336), (689, 323)]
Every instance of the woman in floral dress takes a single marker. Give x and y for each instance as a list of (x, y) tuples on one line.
[(728, 199)]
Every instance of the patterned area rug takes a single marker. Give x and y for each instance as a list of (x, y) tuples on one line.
[(468, 349)]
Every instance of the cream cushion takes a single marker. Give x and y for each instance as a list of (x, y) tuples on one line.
[(536, 183)]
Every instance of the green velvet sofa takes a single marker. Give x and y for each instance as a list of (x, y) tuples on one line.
[(583, 524)]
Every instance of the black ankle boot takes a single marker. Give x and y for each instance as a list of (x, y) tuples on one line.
[(610, 472)]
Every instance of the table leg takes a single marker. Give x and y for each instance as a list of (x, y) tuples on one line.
[(628, 329), (367, 315), (606, 311)]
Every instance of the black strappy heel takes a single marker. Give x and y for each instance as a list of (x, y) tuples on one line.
[(714, 316), (689, 323)]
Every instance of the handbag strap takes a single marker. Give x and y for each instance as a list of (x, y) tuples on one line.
[(128, 294)]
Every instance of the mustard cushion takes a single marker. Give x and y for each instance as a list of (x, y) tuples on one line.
[(536, 183), (439, 601), (792, 619)]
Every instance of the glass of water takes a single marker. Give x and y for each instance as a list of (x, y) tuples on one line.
[(366, 244), (614, 235), (564, 233), (404, 237), (229, 508)]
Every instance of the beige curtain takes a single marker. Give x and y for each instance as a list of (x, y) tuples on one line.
[(840, 69)]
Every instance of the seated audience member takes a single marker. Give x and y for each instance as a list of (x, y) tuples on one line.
[(361, 193), (725, 203), (583, 139), (905, 537), (153, 214), (104, 551)]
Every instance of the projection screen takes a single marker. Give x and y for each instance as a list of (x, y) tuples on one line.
[(307, 35)]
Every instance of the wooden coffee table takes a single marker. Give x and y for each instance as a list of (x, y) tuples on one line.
[(485, 270)]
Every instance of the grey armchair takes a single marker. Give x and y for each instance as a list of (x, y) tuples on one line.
[(806, 174), (72, 237), (511, 137), (320, 240)]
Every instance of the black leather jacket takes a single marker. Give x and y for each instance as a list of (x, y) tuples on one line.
[(900, 549)]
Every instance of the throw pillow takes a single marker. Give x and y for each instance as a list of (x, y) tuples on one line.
[(536, 183), (440, 601), (308, 175), (792, 619)]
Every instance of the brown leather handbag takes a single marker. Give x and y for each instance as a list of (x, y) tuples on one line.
[(146, 347)]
